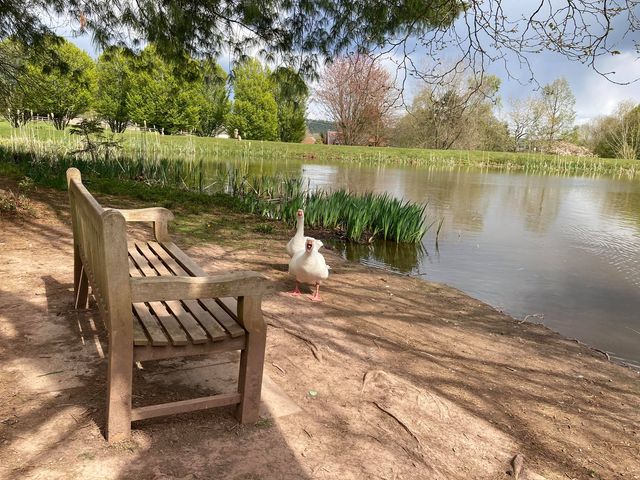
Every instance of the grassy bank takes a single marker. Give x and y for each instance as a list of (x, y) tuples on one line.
[(154, 146), (355, 217)]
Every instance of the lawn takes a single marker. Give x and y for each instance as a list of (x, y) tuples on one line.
[(153, 145)]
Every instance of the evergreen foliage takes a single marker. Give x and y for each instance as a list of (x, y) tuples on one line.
[(113, 72), (215, 103), (164, 96), (255, 112), (291, 95), (63, 88), (14, 104)]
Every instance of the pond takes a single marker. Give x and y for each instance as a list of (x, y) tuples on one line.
[(560, 250)]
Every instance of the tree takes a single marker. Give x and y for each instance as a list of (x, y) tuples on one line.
[(254, 112), (457, 114), (165, 95), (63, 88), (215, 104), (358, 94), (617, 135), (525, 118), (626, 138), (113, 72), (14, 104), (558, 112), (475, 32), (291, 95)]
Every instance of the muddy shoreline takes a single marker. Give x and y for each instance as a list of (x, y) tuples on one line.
[(413, 379)]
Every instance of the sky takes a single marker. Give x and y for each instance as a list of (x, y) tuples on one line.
[(595, 95)]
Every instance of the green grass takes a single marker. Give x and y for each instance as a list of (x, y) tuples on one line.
[(355, 216), (41, 136)]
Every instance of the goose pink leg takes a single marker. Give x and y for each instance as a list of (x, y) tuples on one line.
[(296, 291), (316, 296)]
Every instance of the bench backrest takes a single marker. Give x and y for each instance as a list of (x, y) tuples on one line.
[(100, 238)]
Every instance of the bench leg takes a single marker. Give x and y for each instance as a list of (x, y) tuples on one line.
[(80, 281), (119, 383), (251, 360)]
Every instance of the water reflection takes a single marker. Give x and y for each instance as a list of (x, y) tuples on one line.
[(402, 258), (565, 247)]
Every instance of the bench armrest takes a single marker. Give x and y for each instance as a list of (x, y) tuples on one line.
[(158, 289), (158, 215)]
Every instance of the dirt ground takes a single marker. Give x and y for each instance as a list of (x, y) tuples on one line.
[(414, 380)]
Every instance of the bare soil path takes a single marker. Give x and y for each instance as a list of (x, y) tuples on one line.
[(413, 380)]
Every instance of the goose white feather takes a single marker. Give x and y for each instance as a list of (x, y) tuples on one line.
[(309, 266), (296, 244)]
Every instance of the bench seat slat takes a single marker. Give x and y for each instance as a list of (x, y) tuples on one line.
[(142, 263), (150, 324), (169, 323), (139, 337), (189, 312), (133, 270), (211, 318), (223, 316), (189, 324)]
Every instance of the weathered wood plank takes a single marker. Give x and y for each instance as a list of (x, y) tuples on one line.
[(183, 406), (208, 322), (133, 270), (251, 359), (160, 353), (170, 324), (171, 319), (153, 259), (150, 324), (159, 289), (139, 337), (152, 214), (118, 293), (222, 314), (189, 324), (142, 263), (223, 317)]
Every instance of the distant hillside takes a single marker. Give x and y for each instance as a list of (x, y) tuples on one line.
[(320, 126)]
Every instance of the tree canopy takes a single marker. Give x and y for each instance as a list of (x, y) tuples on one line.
[(458, 114), (255, 112), (64, 88), (475, 33), (114, 77), (163, 95), (291, 94)]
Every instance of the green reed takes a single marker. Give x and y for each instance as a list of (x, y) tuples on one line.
[(358, 217), (40, 136)]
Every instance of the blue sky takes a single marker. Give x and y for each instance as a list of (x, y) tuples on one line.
[(595, 95)]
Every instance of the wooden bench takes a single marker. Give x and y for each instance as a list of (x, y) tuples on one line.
[(157, 303)]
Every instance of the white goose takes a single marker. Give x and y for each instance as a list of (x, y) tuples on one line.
[(308, 266), (296, 244)]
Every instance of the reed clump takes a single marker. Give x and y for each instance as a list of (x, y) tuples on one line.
[(356, 217)]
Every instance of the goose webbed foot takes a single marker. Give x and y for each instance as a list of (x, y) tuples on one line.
[(316, 296), (296, 292)]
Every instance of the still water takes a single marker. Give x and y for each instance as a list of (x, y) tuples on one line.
[(565, 249)]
